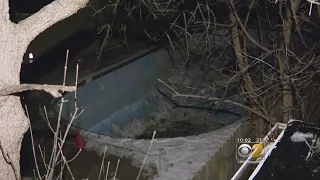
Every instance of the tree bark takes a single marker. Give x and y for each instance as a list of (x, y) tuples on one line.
[(14, 41), (283, 62), (242, 61)]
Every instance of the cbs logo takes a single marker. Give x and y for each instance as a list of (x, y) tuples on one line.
[(244, 150)]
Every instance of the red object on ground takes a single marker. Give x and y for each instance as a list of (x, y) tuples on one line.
[(80, 143)]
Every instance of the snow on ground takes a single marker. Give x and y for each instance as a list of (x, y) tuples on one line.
[(304, 137), (174, 158), (301, 137)]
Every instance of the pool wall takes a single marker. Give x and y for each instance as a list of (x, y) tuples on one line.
[(119, 95)]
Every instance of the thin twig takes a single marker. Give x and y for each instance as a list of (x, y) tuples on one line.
[(177, 94), (107, 173), (115, 173), (66, 162), (174, 91), (145, 158), (102, 163), (55, 153), (75, 156), (65, 69), (33, 149), (75, 114), (43, 157)]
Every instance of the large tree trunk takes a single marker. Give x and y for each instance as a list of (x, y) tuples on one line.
[(14, 40), (284, 64), (242, 61), (13, 122)]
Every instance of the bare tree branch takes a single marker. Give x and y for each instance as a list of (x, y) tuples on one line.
[(227, 101), (52, 89), (49, 15), (244, 29), (177, 94)]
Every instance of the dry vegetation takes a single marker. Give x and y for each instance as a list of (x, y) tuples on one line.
[(268, 47)]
